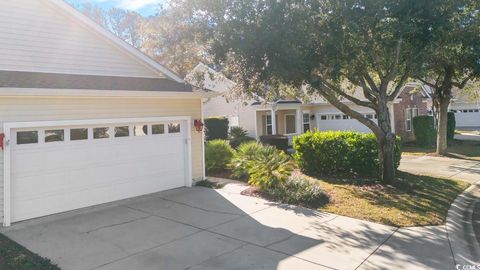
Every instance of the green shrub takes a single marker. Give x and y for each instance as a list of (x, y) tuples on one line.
[(299, 191), (216, 128), (243, 158), (279, 141), (424, 129), (238, 136), (451, 125), (339, 152), (270, 167), (218, 154), (263, 165)]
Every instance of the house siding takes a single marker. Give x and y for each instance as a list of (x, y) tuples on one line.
[(40, 37), (52, 109), (219, 106)]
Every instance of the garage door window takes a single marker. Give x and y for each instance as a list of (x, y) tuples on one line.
[(174, 128), (122, 132), (77, 134), (141, 130), (27, 137), (158, 129), (101, 133), (57, 135)]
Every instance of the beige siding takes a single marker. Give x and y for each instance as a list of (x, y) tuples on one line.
[(219, 106), (49, 109), (37, 36)]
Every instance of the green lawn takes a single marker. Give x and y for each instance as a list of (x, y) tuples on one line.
[(15, 257), (413, 201), (457, 149)]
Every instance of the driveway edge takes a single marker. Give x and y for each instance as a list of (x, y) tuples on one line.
[(460, 231)]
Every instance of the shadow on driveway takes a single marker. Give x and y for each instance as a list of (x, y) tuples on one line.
[(201, 228)]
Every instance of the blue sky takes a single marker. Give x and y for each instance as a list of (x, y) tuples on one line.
[(144, 7)]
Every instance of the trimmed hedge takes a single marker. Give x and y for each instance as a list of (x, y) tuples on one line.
[(216, 128), (451, 125), (425, 133), (339, 152), (279, 141), (218, 154), (424, 129)]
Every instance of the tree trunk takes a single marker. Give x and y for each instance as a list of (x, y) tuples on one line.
[(386, 158), (386, 143), (442, 125)]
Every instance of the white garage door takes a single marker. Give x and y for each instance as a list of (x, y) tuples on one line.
[(60, 168), (341, 122)]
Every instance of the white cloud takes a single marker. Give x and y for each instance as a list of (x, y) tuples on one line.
[(137, 4)]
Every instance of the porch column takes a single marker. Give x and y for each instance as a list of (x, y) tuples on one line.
[(274, 121), (299, 121)]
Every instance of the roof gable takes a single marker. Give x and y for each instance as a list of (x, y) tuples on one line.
[(50, 36)]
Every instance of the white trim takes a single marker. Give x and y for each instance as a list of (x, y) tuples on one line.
[(285, 124), (411, 109), (204, 173), (256, 125), (392, 116), (278, 107), (36, 92), (273, 114), (8, 126), (6, 178), (188, 156), (147, 61), (309, 120)]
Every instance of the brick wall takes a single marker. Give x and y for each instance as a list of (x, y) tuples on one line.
[(408, 100)]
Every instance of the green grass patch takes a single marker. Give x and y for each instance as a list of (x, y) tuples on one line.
[(457, 149), (15, 257), (414, 200)]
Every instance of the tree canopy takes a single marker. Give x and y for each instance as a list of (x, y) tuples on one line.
[(334, 48), (452, 55)]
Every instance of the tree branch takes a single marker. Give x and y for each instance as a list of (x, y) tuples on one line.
[(427, 83), (463, 83), (394, 67), (349, 97), (348, 111), (370, 82), (399, 86)]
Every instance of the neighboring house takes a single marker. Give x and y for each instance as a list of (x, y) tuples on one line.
[(86, 118), (238, 111), (293, 117), (467, 111)]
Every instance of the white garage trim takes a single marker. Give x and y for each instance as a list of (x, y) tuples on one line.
[(33, 92), (8, 127)]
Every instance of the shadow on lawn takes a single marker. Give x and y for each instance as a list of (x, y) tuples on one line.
[(424, 196)]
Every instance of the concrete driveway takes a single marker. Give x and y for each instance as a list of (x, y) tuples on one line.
[(200, 228), (466, 170)]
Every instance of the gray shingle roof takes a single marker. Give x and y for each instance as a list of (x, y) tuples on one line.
[(21, 79)]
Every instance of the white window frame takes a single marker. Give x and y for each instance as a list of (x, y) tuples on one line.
[(267, 124), (8, 127), (306, 123), (285, 123), (410, 113)]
